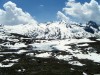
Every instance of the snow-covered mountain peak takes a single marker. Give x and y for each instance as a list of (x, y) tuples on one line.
[(55, 30), (93, 24)]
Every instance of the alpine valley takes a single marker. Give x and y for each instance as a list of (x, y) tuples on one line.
[(52, 48)]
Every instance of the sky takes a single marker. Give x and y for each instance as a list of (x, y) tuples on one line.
[(47, 10), (41, 10)]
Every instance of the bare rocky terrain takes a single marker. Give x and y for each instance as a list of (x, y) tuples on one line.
[(21, 55)]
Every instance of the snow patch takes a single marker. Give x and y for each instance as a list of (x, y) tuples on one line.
[(43, 55), (76, 63), (65, 57), (9, 65), (91, 56)]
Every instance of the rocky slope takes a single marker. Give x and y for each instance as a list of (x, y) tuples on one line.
[(56, 48)]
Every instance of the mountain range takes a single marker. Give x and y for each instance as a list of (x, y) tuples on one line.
[(53, 30)]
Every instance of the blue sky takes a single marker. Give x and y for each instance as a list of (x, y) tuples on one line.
[(41, 10)]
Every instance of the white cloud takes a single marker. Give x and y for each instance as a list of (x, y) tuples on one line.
[(61, 16), (12, 15), (41, 5), (82, 12), (71, 0)]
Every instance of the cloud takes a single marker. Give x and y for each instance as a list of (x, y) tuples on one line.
[(61, 16), (71, 0), (82, 12), (12, 15), (41, 5)]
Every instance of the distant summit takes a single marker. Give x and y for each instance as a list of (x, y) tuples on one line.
[(93, 24)]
